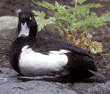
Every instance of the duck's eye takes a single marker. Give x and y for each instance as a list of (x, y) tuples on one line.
[(30, 18)]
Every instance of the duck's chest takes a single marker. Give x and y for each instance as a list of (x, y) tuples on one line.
[(35, 63)]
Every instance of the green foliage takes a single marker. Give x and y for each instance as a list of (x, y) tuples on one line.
[(78, 18), (41, 16), (42, 22), (79, 1)]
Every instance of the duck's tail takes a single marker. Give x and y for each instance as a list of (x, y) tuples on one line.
[(97, 74)]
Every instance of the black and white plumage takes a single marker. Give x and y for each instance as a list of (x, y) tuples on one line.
[(34, 56)]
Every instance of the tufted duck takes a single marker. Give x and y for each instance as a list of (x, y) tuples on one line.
[(35, 56)]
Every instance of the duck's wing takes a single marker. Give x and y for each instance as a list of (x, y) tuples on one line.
[(50, 44)]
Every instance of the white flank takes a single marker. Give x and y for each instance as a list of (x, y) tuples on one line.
[(24, 30), (35, 63)]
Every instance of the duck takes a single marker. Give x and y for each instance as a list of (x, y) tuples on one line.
[(37, 56)]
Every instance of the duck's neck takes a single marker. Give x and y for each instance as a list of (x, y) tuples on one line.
[(27, 31), (33, 31)]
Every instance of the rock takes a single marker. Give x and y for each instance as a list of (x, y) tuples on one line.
[(92, 88), (11, 85), (3, 80), (100, 88), (8, 31)]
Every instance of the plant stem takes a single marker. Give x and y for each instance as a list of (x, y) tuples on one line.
[(75, 3), (62, 28)]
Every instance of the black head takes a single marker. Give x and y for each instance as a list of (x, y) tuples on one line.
[(27, 25)]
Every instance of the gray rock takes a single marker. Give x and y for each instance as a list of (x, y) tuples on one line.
[(13, 85), (8, 31), (9, 84)]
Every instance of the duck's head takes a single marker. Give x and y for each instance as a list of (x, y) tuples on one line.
[(27, 26)]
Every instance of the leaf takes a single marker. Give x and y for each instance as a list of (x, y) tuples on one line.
[(57, 4), (35, 12), (96, 47), (40, 26), (52, 7), (39, 14), (52, 19), (77, 42), (79, 1)]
